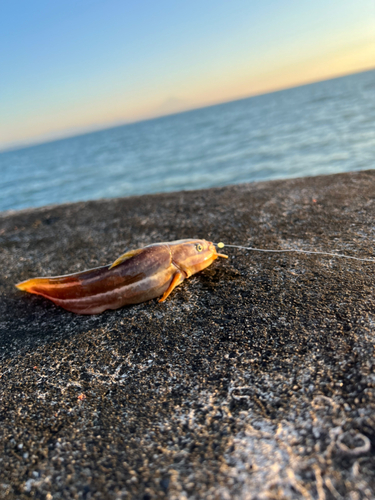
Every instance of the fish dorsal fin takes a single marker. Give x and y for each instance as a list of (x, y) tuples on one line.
[(126, 256)]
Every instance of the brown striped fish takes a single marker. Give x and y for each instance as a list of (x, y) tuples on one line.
[(136, 276)]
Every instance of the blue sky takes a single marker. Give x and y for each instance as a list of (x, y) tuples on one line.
[(68, 66)]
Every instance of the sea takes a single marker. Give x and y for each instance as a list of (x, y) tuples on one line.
[(319, 128)]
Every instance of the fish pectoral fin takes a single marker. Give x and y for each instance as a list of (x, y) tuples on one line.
[(125, 256), (177, 279)]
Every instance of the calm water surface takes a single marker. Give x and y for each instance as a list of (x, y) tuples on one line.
[(321, 128)]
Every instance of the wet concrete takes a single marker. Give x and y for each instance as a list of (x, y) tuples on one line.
[(255, 379)]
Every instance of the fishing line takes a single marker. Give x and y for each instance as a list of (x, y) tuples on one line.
[(338, 255)]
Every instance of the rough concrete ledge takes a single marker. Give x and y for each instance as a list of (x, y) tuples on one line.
[(254, 380)]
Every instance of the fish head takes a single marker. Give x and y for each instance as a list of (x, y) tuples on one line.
[(191, 256)]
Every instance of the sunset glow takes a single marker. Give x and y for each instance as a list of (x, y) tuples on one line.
[(72, 67)]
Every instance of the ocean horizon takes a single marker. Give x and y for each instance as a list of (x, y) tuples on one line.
[(315, 129)]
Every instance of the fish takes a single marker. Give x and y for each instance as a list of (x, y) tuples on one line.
[(135, 277)]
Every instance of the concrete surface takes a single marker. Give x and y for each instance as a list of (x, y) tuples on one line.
[(254, 380)]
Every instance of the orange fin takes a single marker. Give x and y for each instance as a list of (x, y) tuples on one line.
[(177, 279), (125, 256), (28, 285)]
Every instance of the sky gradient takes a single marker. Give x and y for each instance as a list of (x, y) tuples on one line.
[(72, 66)]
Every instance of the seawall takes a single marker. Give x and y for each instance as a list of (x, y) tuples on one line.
[(255, 379)]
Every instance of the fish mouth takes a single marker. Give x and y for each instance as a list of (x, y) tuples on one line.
[(214, 251)]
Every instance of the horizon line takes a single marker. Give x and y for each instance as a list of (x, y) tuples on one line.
[(82, 131)]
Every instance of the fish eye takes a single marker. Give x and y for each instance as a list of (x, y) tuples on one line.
[(199, 247)]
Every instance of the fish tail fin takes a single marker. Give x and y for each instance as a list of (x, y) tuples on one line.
[(54, 287), (35, 285)]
